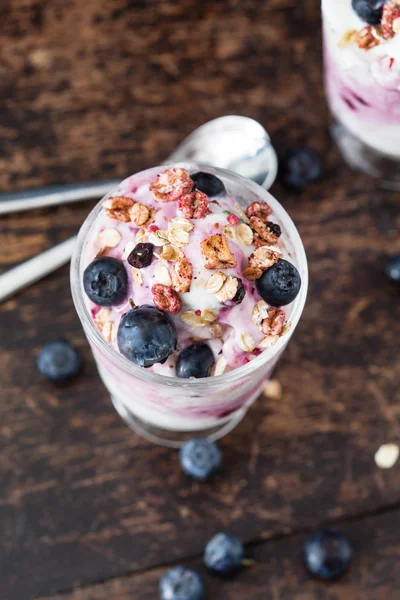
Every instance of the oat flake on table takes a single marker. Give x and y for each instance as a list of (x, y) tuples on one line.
[(387, 455)]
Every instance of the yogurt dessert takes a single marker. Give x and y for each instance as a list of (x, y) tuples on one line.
[(362, 69), (188, 283)]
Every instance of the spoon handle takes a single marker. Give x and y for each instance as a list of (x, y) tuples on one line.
[(35, 268), (11, 202)]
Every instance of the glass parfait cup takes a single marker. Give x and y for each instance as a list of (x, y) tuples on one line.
[(362, 82), (169, 410)]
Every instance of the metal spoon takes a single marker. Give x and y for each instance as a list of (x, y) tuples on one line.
[(239, 144), (236, 143)]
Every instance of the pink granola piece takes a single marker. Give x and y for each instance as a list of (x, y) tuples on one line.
[(273, 325), (194, 205), (262, 210), (165, 298), (170, 185)]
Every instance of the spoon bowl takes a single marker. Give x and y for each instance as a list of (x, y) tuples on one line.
[(236, 143)]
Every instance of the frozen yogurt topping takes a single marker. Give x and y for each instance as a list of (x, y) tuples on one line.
[(379, 35), (371, 36), (176, 274)]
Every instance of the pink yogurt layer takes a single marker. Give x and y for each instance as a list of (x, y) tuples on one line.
[(236, 321), (372, 92)]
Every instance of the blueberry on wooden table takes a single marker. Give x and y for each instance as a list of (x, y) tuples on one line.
[(105, 281), (59, 361), (146, 335), (327, 554), (299, 168), (393, 268), (181, 583), (224, 554), (200, 458)]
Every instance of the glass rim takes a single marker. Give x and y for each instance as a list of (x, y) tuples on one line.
[(123, 363)]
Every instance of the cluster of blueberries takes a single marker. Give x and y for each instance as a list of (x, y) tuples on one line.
[(146, 335), (106, 284), (327, 553)]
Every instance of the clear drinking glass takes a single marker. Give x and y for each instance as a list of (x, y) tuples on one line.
[(363, 91), (169, 410)]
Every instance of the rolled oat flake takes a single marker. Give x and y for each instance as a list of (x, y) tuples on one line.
[(387, 455)]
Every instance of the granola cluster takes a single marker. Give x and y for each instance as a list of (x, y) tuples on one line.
[(170, 185), (265, 234), (124, 209), (194, 205), (373, 35), (271, 322)]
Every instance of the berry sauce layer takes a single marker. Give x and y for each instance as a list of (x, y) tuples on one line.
[(182, 280), (362, 69)]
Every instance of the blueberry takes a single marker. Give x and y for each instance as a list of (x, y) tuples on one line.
[(299, 168), (181, 583), (327, 554), (59, 361), (369, 11), (280, 284), (209, 184), (200, 458), (105, 281), (196, 360), (141, 256), (146, 335), (224, 554), (393, 268)]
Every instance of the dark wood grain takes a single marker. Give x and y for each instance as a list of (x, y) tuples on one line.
[(279, 574), (96, 90)]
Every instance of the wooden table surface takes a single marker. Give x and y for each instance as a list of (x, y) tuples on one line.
[(88, 511)]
